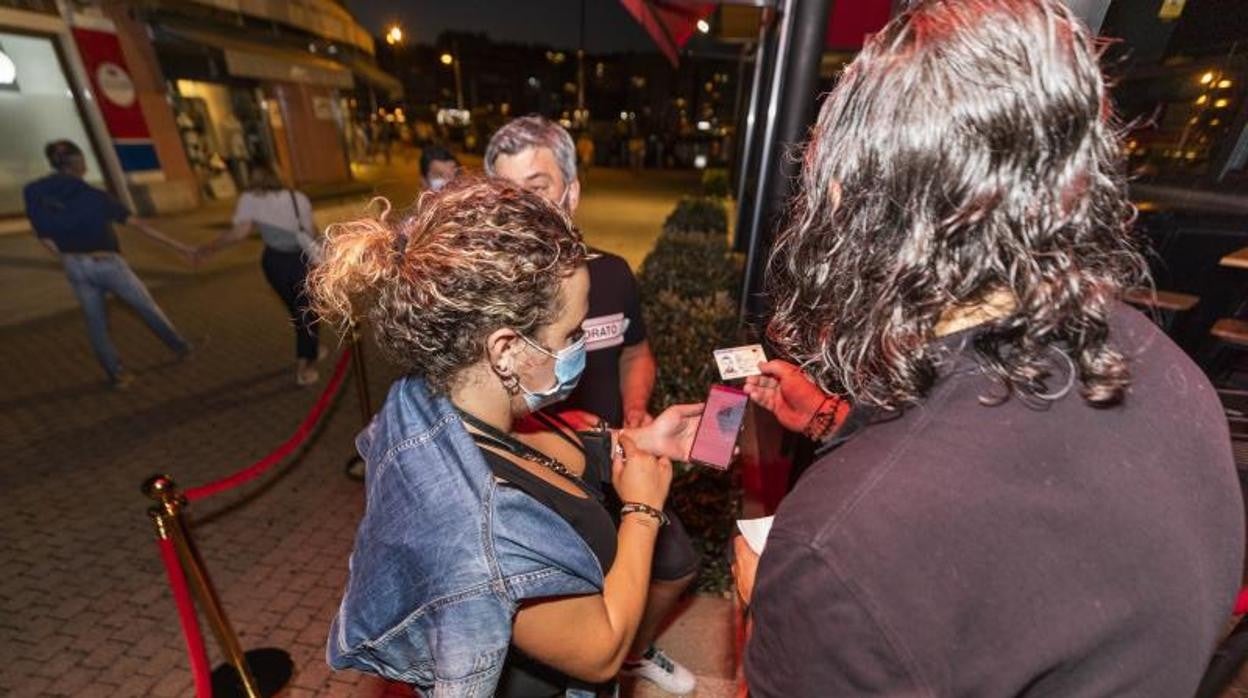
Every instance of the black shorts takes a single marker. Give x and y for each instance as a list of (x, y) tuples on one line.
[(674, 556)]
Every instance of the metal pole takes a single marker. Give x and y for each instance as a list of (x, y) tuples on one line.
[(163, 490), (753, 114), (361, 378), (459, 85), (580, 67), (790, 111), (355, 464), (766, 157)]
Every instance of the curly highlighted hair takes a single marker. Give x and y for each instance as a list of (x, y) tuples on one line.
[(478, 256), (969, 151)]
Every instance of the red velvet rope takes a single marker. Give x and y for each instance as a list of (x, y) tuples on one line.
[(190, 623), (287, 447)]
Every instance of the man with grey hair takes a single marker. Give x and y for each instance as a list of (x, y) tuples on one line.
[(539, 156)]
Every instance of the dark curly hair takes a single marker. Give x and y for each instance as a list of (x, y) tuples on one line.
[(968, 151), (475, 257)]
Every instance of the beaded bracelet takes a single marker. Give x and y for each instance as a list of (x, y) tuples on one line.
[(823, 421), (639, 508)]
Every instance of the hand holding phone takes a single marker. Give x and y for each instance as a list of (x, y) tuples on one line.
[(715, 442), (671, 433)]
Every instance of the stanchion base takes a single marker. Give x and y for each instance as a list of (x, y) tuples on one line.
[(355, 469), (271, 667)]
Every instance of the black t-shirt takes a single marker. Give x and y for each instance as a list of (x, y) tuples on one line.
[(963, 549), (614, 322)]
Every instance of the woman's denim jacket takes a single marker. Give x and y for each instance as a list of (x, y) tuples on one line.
[(444, 554)]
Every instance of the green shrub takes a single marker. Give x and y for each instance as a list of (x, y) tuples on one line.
[(697, 215), (689, 265), (715, 183), (689, 286)]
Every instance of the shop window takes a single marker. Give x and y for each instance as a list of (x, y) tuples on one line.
[(36, 106)]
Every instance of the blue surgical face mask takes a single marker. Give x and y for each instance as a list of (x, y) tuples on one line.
[(569, 365)]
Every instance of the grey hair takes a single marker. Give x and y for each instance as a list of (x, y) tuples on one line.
[(533, 131)]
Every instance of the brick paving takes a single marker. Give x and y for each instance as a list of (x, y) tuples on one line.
[(84, 608)]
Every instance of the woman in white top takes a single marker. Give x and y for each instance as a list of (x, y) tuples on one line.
[(283, 217)]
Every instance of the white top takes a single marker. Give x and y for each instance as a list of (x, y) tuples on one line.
[(274, 208)]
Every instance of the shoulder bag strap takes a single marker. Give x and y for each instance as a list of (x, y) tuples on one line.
[(294, 203)]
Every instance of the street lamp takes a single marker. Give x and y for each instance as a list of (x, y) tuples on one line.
[(704, 26), (394, 35), (448, 59)]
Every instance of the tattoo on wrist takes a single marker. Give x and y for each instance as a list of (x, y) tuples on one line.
[(823, 421)]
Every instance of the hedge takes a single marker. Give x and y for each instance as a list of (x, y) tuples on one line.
[(689, 286)]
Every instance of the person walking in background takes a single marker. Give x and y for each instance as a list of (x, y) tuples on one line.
[(585, 150), (74, 221), (438, 167), (1042, 499), (538, 155), (283, 217), (636, 152)]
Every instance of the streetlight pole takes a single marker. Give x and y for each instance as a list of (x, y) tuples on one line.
[(459, 85), (580, 67)]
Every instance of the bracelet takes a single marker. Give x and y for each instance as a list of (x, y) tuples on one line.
[(822, 421), (639, 508)]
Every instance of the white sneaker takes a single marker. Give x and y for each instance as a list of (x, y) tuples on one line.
[(662, 671)]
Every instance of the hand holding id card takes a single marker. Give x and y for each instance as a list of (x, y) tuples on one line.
[(739, 362)]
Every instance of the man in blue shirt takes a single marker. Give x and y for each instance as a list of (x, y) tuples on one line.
[(75, 222)]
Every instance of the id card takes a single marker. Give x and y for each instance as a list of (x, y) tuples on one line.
[(739, 362)]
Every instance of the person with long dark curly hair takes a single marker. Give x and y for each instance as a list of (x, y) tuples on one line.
[(1042, 499)]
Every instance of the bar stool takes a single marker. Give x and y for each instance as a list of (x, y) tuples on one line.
[(1233, 334), (1167, 304)]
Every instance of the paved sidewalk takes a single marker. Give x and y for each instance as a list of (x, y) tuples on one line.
[(84, 607)]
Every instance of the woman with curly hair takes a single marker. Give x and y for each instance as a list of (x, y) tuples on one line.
[(486, 562), (1042, 499)]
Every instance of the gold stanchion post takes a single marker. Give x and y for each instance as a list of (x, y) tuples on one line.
[(355, 464), (276, 663), (163, 489), (361, 377)]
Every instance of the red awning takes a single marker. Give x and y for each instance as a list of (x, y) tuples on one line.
[(849, 23), (669, 22)]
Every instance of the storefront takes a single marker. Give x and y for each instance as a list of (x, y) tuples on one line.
[(38, 103), (239, 104)]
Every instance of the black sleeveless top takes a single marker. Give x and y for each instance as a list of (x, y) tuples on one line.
[(524, 677)]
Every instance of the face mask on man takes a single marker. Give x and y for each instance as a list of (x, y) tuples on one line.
[(569, 365)]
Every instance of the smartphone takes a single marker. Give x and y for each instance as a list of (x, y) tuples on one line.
[(716, 439)]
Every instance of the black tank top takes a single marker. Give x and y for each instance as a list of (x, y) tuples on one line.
[(585, 513)]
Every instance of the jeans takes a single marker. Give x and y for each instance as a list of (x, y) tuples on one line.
[(287, 272), (92, 277)]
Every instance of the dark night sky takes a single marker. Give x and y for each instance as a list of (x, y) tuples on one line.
[(608, 26)]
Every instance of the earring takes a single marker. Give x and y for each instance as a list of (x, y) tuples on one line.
[(509, 380)]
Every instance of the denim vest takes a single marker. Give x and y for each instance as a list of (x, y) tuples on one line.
[(444, 555)]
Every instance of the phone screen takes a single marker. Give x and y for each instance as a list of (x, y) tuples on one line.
[(716, 439)]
